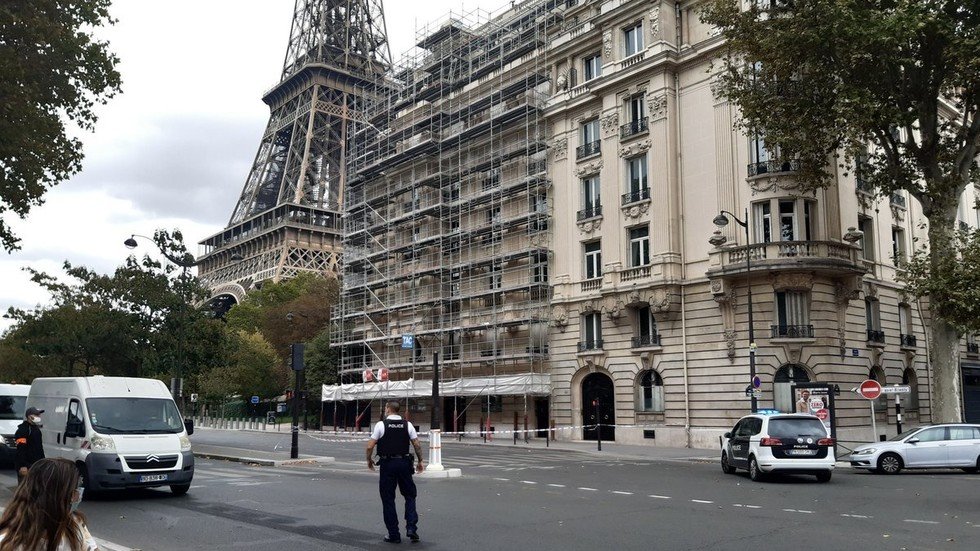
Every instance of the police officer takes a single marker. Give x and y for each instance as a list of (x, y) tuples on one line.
[(392, 436), (28, 440)]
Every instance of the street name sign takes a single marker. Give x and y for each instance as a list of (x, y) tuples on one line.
[(896, 389)]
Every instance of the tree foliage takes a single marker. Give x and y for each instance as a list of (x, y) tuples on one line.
[(53, 70), (252, 368), (889, 86)]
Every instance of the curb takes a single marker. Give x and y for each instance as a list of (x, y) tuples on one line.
[(264, 462)]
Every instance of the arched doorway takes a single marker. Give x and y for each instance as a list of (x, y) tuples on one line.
[(782, 386), (598, 407)]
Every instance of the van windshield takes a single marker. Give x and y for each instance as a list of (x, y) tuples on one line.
[(12, 407), (134, 415)]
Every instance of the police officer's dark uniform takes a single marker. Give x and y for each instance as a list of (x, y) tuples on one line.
[(396, 471), (28, 441)]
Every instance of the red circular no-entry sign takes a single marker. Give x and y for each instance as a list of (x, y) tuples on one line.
[(870, 389)]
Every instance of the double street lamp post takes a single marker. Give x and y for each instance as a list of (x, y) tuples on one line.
[(721, 221)]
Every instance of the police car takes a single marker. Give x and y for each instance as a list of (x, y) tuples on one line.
[(779, 443)]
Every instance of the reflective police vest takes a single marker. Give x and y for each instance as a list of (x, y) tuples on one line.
[(395, 439)]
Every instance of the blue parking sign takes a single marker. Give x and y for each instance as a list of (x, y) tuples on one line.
[(408, 341), (255, 399)]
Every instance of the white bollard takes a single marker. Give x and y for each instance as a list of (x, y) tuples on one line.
[(435, 451)]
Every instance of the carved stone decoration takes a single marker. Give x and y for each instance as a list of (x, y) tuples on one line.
[(872, 290), (607, 46), (561, 83), (635, 148), (560, 148), (661, 300), (559, 317), (633, 298), (585, 169), (658, 106), (610, 125), (589, 226), (717, 286), (655, 23), (615, 310), (730, 335), (773, 183), (846, 292), (898, 213), (841, 342), (792, 282), (637, 210)]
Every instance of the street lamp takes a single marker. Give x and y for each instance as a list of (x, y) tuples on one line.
[(721, 221)]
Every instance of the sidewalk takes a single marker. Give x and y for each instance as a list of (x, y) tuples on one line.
[(256, 457)]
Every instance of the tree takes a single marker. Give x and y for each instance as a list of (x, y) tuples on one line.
[(53, 69), (826, 79), (252, 369)]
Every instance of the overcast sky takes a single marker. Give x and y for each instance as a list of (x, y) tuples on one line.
[(173, 150)]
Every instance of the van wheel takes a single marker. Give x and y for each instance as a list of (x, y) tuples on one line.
[(889, 463), (179, 489), (726, 467), (755, 473), (90, 490), (824, 476)]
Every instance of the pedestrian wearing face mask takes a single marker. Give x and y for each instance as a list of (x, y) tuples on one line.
[(28, 440), (42, 515)]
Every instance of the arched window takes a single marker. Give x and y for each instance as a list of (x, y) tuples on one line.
[(912, 399), (650, 394), (782, 386)]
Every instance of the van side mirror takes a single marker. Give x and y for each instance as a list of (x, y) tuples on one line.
[(74, 429), (912, 441), (728, 435), (189, 426)]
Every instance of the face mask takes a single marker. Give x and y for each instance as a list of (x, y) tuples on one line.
[(35, 420), (75, 504)]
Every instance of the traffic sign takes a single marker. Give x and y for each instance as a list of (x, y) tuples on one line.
[(408, 341), (823, 414), (255, 399), (753, 392), (756, 382), (896, 389), (870, 389)]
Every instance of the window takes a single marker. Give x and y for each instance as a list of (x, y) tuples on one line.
[(905, 326), (590, 132), (758, 152), (636, 169), (964, 433), (593, 260), (591, 331), (590, 195), (792, 315), (796, 220), (539, 273), (593, 67), (633, 39), (937, 434), (493, 215), (866, 225), (872, 317), (651, 392), (635, 110), (782, 387), (763, 222), (496, 277), (898, 246), (639, 246), (646, 328), (909, 378)]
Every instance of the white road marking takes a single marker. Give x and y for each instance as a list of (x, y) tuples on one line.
[(701, 501), (588, 489), (557, 485), (855, 516), (798, 511), (527, 482), (622, 493), (753, 506), (655, 496), (503, 479), (920, 521)]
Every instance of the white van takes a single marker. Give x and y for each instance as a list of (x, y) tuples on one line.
[(121, 432), (13, 400)]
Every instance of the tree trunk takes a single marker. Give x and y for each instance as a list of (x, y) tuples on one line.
[(944, 355)]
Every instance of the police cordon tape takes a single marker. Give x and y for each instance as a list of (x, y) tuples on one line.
[(366, 435)]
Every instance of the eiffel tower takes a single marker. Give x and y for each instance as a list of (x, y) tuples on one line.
[(288, 217)]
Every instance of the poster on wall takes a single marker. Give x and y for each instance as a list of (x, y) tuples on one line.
[(815, 401)]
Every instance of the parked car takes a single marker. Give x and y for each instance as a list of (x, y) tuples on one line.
[(779, 443), (954, 445)]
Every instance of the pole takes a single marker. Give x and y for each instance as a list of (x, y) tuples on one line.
[(436, 422), (748, 269), (874, 425), (296, 353), (898, 413), (598, 424)]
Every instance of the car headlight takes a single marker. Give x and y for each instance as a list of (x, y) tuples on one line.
[(102, 443), (185, 443), (868, 451)]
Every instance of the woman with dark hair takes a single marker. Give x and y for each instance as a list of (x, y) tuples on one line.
[(42, 514)]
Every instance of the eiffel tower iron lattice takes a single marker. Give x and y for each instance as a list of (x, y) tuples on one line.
[(288, 217)]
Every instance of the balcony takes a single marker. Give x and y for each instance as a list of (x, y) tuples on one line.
[(638, 195), (589, 212), (633, 128), (821, 257), (907, 341), (593, 284), (898, 200), (791, 332), (587, 346), (587, 150), (646, 341), (773, 167), (972, 348), (876, 337)]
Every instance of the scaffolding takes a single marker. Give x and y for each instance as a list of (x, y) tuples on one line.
[(447, 210)]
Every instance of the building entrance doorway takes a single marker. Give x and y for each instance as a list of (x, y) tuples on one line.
[(598, 407)]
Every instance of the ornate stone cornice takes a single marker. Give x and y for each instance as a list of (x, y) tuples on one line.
[(636, 210), (657, 104), (560, 149), (607, 48), (635, 148), (792, 282), (587, 227), (610, 125), (585, 169)]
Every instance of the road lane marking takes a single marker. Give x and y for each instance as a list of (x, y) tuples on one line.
[(588, 489), (855, 516), (920, 521), (527, 482), (557, 485), (622, 493), (753, 506), (702, 501), (655, 496), (503, 479), (798, 511)]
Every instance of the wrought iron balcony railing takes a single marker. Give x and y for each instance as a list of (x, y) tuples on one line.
[(589, 212), (908, 341), (972, 348), (792, 332), (646, 340), (587, 150), (773, 167), (876, 336), (584, 346), (637, 195), (633, 128)]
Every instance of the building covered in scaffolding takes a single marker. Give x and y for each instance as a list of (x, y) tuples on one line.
[(446, 227)]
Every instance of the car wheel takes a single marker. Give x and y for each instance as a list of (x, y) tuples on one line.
[(973, 470), (824, 476), (755, 473), (179, 489), (90, 490), (726, 467), (890, 463)]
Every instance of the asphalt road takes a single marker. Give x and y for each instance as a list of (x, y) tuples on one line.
[(548, 499)]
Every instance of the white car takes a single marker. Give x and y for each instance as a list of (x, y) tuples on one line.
[(779, 443), (954, 445)]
